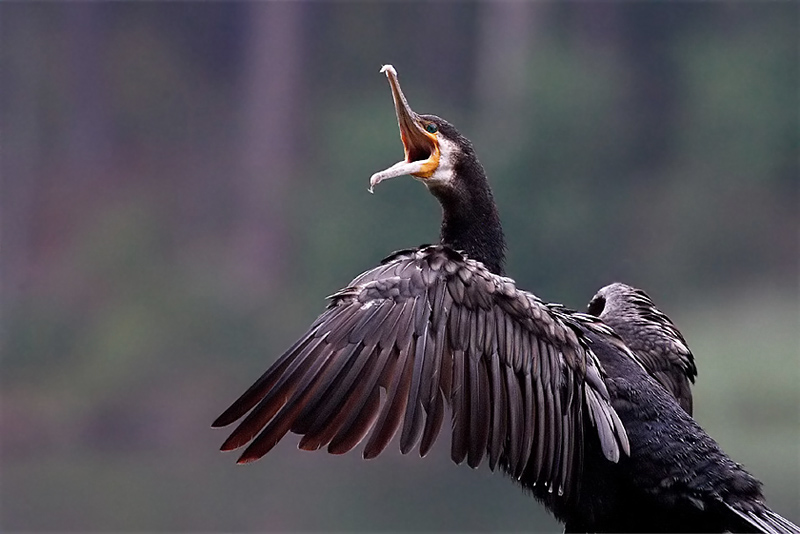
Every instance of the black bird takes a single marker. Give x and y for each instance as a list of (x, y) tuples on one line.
[(553, 397), (651, 335)]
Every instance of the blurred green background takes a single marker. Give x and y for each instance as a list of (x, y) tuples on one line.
[(183, 183)]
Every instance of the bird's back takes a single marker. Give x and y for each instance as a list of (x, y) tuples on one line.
[(676, 478)]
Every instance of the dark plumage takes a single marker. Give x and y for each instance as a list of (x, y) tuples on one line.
[(676, 478), (651, 335), (552, 397), (434, 328)]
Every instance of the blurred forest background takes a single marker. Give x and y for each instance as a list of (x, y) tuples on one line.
[(183, 183)]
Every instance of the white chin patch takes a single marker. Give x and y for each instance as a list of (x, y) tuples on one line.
[(444, 173)]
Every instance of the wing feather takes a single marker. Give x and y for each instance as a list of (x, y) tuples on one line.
[(557, 432), (356, 430), (499, 411), (412, 426), (324, 389), (459, 445), (311, 388), (302, 368), (479, 410), (528, 424), (365, 408), (515, 415), (267, 382), (327, 417), (568, 437), (394, 408), (433, 423), (426, 329), (541, 414)]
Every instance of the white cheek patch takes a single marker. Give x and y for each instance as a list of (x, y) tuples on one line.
[(445, 172)]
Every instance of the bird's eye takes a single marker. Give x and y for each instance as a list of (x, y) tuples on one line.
[(596, 306), (431, 128)]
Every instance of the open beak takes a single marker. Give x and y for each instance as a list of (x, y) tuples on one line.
[(421, 147)]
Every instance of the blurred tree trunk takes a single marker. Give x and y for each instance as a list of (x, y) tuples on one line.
[(270, 153), (643, 35), (648, 39), (506, 35), (450, 69), (89, 143), (21, 81)]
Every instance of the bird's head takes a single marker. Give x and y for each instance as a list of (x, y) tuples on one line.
[(444, 160), (432, 145), (619, 299), (620, 302)]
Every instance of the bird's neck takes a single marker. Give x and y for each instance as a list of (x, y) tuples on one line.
[(470, 221)]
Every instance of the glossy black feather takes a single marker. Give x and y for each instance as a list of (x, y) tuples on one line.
[(675, 479)]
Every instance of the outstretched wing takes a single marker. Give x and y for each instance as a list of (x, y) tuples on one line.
[(425, 330), (651, 335)]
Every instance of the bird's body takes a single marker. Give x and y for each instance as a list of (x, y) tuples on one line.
[(554, 398), (675, 479)]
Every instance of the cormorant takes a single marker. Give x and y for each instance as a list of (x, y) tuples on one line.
[(651, 335), (553, 397)]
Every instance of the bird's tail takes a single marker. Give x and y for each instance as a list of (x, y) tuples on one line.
[(765, 521)]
